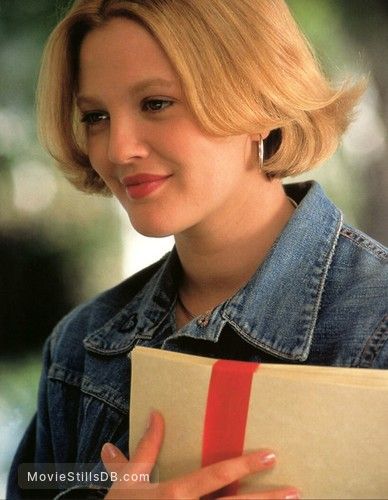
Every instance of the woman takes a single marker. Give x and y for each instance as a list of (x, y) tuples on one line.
[(191, 113)]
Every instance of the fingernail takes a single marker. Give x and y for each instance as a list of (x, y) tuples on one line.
[(267, 458), (292, 495), (109, 450)]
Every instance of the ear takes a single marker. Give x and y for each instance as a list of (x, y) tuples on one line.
[(262, 135)]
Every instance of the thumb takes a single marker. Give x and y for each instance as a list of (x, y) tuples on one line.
[(113, 458)]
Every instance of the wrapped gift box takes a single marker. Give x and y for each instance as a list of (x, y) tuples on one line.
[(328, 426)]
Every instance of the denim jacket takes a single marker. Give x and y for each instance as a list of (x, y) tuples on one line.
[(319, 298)]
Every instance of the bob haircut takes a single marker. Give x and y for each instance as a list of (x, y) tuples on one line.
[(249, 55)]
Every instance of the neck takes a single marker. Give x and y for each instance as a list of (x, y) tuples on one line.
[(221, 257)]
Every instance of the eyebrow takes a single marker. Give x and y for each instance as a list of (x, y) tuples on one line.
[(136, 88)]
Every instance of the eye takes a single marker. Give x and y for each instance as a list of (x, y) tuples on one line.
[(93, 117), (155, 105)]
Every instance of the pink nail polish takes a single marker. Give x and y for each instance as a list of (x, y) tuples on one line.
[(268, 458), (110, 450), (292, 495)]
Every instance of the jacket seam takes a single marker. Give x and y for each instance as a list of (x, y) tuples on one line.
[(374, 344), (84, 384), (363, 242)]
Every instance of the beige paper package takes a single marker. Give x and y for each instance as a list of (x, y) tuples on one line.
[(328, 426)]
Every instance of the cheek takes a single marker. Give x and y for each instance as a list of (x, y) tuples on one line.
[(186, 140), (175, 143), (97, 156)]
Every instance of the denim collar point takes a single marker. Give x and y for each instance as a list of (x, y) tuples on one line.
[(135, 320), (115, 337)]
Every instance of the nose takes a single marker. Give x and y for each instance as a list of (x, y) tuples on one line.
[(126, 141)]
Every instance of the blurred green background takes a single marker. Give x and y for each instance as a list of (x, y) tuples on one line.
[(59, 247)]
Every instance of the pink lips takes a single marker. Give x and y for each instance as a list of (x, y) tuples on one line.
[(141, 185)]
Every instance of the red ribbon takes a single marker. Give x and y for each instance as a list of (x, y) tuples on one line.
[(226, 415)]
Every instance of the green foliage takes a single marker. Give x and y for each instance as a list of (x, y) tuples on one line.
[(19, 382)]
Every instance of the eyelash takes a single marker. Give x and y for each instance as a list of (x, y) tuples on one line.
[(94, 117), (164, 102)]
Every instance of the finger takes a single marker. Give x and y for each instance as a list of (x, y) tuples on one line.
[(215, 476), (283, 494), (113, 458), (147, 451)]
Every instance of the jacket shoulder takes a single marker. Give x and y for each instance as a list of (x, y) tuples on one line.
[(358, 273), (360, 265), (360, 240), (353, 316)]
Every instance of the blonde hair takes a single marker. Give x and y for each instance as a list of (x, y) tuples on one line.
[(244, 65)]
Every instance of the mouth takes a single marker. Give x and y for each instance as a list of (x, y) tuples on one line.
[(142, 185)]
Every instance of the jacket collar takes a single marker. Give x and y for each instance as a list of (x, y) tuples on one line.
[(276, 310), (143, 315)]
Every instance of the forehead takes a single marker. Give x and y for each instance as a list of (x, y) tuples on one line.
[(122, 51)]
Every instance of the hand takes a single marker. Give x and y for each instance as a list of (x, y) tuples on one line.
[(190, 486)]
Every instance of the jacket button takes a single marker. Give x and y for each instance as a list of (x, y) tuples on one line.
[(129, 324), (203, 320)]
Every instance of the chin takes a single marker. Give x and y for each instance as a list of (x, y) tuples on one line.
[(154, 234), (152, 229)]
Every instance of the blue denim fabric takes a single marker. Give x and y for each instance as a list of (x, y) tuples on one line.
[(319, 298)]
